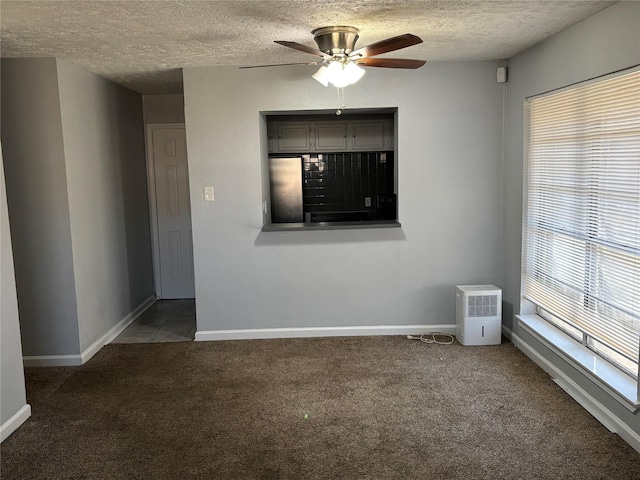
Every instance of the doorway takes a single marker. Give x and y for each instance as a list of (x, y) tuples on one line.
[(164, 321), (170, 211)]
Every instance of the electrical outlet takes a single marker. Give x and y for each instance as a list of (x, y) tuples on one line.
[(367, 201)]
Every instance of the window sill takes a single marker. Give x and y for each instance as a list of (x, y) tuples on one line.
[(620, 386), (290, 227)]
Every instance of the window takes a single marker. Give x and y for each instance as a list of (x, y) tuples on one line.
[(581, 229)]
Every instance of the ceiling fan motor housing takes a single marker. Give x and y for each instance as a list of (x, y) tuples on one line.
[(339, 40)]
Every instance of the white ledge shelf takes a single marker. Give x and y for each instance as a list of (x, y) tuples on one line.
[(612, 380)]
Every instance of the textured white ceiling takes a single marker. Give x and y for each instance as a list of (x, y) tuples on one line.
[(144, 44)]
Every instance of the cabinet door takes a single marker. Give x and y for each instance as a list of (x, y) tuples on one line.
[(331, 136), (272, 137), (294, 137), (368, 136)]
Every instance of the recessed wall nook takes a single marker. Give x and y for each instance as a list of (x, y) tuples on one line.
[(331, 172)]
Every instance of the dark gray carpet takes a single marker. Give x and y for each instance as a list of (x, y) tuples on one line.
[(328, 408)]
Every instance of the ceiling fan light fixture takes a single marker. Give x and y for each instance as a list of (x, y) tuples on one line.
[(338, 77), (354, 72), (340, 73), (322, 76)]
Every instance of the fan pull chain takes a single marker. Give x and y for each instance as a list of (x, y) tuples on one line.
[(340, 101)]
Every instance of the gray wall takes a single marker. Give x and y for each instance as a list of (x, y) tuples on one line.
[(450, 201), (78, 206), (163, 108), (35, 169), (607, 42), (108, 203), (12, 389)]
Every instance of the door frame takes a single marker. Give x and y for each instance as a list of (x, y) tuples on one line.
[(153, 207)]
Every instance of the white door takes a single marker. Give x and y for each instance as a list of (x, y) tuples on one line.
[(175, 244)]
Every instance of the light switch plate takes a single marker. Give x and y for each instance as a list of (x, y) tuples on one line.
[(208, 194)]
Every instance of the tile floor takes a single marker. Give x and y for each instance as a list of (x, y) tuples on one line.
[(164, 321)]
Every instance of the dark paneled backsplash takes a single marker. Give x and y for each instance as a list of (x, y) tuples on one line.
[(349, 186)]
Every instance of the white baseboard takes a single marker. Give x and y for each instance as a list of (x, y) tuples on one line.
[(52, 360), (85, 356), (11, 425), (575, 391), (263, 333), (506, 332), (110, 336)]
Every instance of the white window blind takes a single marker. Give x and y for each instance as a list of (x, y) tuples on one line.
[(581, 263)]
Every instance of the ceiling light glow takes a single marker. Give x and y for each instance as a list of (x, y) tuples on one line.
[(339, 73)]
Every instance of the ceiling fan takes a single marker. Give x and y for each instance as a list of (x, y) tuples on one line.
[(341, 61)]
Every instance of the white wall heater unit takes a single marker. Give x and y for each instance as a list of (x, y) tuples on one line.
[(478, 314)]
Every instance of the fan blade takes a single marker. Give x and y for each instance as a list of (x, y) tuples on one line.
[(390, 62), (303, 48), (388, 45), (282, 64)]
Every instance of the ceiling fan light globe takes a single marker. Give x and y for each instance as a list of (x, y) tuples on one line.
[(322, 76), (334, 68), (340, 82), (353, 72), (337, 75)]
